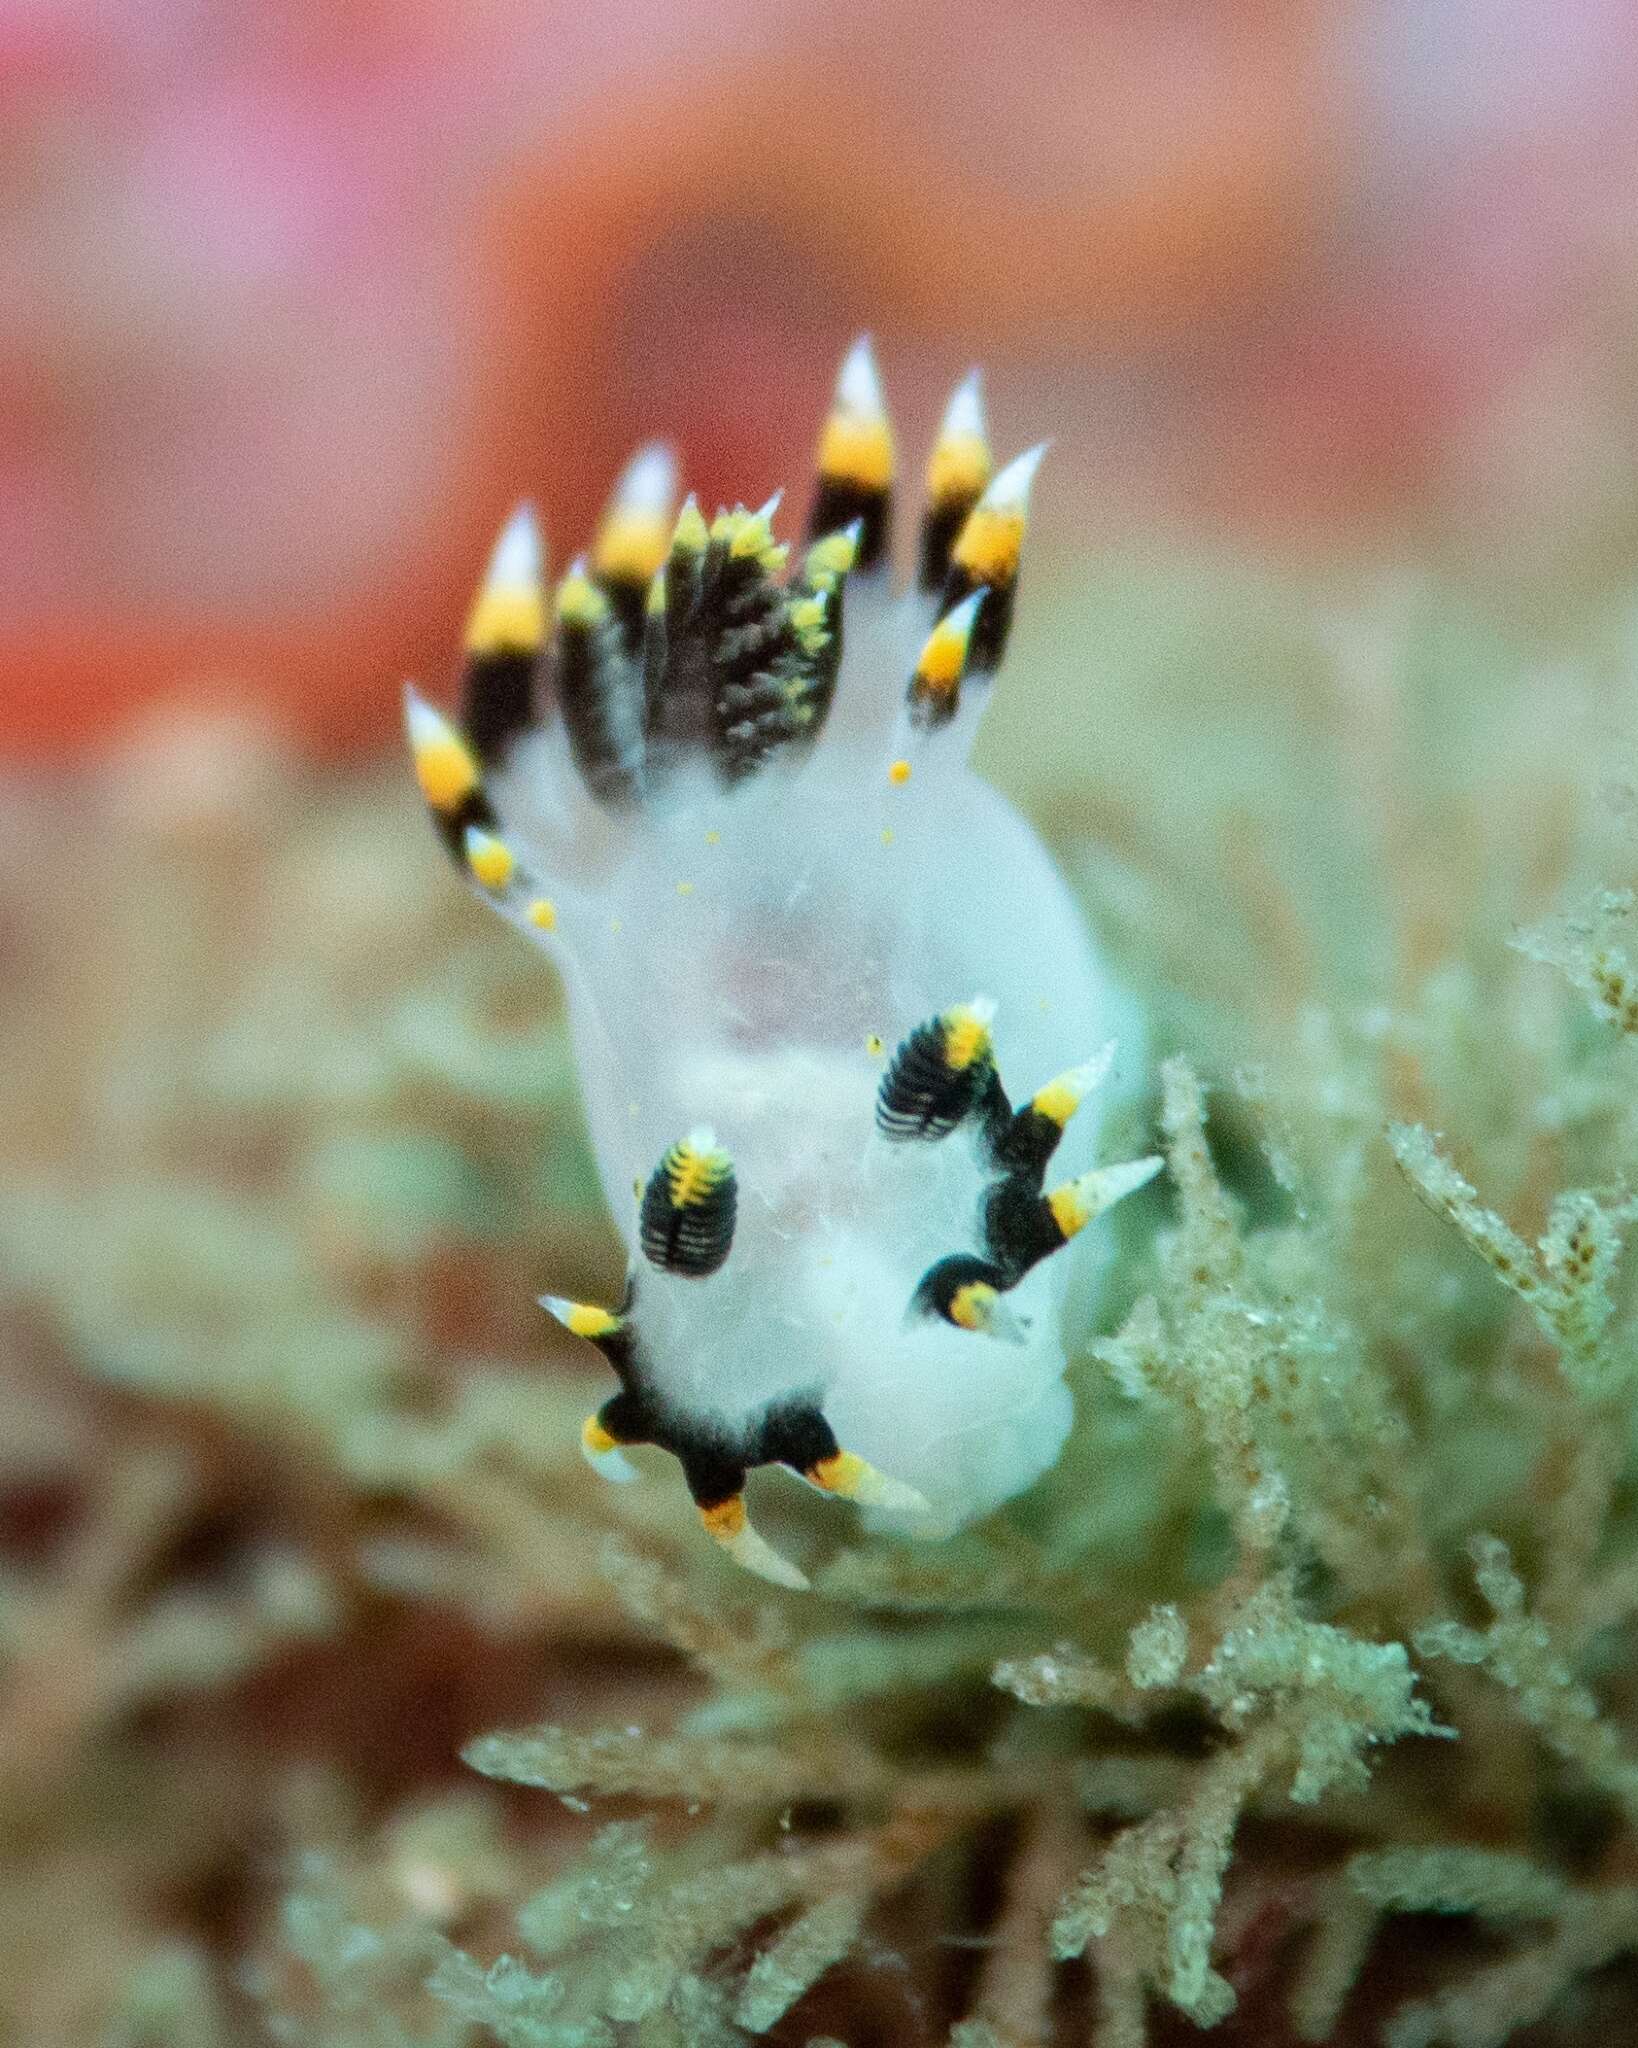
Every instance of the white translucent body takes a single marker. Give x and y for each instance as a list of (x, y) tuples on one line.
[(748, 960)]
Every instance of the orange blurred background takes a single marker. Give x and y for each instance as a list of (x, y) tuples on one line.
[(295, 300)]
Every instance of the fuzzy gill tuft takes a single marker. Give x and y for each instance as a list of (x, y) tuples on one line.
[(725, 783)]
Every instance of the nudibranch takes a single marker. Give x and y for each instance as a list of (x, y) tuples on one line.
[(799, 939)]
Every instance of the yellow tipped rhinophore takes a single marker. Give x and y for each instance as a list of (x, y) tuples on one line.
[(935, 688), (509, 615), (1077, 1202), (491, 860), (850, 1478), (445, 766), (989, 545), (961, 463), (856, 443), (726, 1521), (635, 534)]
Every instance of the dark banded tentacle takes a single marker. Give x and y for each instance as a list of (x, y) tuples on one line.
[(986, 556), (599, 688), (957, 471), (505, 632), (856, 460)]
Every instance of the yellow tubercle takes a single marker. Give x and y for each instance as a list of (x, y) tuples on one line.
[(491, 860), (899, 774), (543, 914)]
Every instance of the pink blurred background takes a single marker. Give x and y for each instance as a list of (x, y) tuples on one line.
[(294, 300)]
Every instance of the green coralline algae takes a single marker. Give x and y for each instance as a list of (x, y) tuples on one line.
[(1297, 1700)]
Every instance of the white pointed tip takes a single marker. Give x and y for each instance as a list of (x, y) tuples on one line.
[(964, 414), (982, 1007), (613, 1465), (752, 1554), (1005, 1326), (1107, 1185), (894, 1496), (859, 384), (516, 561), (959, 618), (558, 1306), (1092, 1073), (766, 511), (1008, 490), (647, 485), (425, 724), (702, 1139)]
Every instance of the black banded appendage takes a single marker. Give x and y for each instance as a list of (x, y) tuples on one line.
[(686, 1221), (856, 460), (957, 471), (505, 632), (940, 1075)]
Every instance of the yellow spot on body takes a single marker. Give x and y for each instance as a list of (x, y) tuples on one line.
[(899, 774), (630, 549), (725, 1519), (614, 924), (858, 451), (1058, 1100), (966, 1038), (972, 1306), (1069, 1206), (959, 469), (447, 770), (989, 545), (490, 859), (543, 913), (713, 838), (685, 888), (887, 835), (508, 618), (580, 602), (875, 1044), (596, 1438)]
